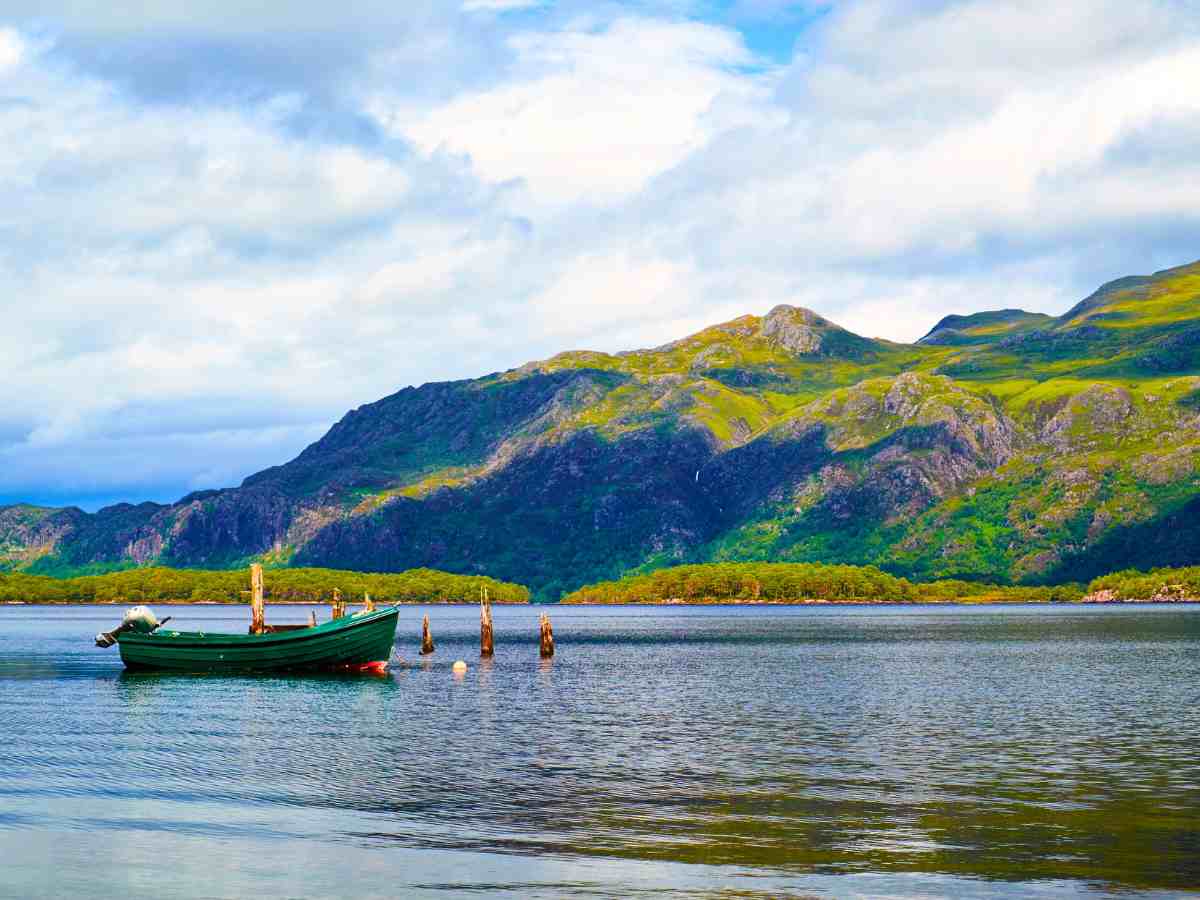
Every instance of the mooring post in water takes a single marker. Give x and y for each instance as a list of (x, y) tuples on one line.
[(547, 642), (312, 619), (426, 637), (339, 607), (257, 615), (486, 647), (368, 603)]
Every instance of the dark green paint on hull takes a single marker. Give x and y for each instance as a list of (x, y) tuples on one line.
[(351, 642)]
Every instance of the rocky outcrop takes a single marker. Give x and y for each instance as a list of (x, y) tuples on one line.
[(1178, 352), (919, 441), (796, 330), (29, 533), (1088, 417), (1167, 593), (801, 332)]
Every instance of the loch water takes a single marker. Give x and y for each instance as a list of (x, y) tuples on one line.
[(753, 751)]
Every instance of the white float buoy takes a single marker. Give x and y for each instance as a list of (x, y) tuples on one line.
[(459, 666)]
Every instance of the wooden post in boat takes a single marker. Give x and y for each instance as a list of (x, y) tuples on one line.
[(547, 636), (257, 615), (426, 637), (339, 606), (486, 647), (368, 603)]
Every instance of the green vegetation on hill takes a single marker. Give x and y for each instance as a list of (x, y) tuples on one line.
[(1006, 447), (984, 327), (156, 583), (799, 582)]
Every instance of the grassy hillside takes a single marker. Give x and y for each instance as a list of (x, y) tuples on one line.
[(1005, 447)]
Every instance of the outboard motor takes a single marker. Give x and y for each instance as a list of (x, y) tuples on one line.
[(139, 619)]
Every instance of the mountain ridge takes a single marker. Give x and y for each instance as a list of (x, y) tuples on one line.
[(1014, 447)]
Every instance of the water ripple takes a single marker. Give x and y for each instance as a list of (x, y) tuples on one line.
[(701, 752)]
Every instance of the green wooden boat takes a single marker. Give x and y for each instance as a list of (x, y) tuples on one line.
[(354, 643), (361, 642)]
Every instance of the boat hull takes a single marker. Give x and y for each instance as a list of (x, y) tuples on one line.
[(353, 643)]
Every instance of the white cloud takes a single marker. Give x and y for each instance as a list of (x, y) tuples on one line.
[(588, 114), (850, 180), (178, 254), (612, 301), (906, 309)]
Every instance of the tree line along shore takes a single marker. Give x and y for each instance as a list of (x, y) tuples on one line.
[(816, 583), (713, 583), (159, 584)]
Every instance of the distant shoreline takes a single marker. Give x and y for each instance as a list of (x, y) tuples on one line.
[(693, 584)]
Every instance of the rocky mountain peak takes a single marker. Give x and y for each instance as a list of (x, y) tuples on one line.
[(795, 330), (802, 332)]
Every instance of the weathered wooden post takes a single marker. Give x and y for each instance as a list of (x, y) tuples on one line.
[(426, 637), (547, 642), (339, 606), (257, 613), (486, 647), (368, 603), (312, 619)]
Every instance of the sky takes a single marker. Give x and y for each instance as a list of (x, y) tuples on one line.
[(223, 225)]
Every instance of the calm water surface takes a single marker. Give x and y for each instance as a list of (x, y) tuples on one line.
[(687, 752)]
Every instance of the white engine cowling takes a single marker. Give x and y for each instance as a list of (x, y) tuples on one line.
[(140, 619)]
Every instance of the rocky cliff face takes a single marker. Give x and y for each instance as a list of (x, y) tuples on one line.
[(1005, 445)]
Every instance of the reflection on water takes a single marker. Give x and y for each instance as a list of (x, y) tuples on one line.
[(1012, 751)]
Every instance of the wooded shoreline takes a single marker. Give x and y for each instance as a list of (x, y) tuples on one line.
[(706, 584), (814, 583), (161, 585)]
